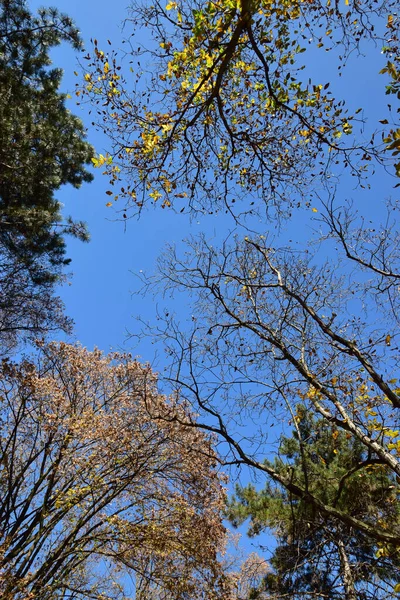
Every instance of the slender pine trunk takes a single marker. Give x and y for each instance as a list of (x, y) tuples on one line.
[(346, 573)]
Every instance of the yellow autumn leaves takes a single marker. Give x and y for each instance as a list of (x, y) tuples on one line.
[(101, 160)]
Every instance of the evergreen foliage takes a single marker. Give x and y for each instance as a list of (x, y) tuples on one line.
[(42, 145), (313, 551)]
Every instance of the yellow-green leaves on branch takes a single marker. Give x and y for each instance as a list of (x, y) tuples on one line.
[(222, 107)]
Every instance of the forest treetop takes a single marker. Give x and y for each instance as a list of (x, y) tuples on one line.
[(94, 493), (42, 148), (220, 106), (42, 144)]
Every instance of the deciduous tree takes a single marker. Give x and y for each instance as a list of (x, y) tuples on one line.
[(95, 495), (269, 327), (224, 116), (223, 107)]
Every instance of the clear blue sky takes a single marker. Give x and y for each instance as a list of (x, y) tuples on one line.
[(99, 297)]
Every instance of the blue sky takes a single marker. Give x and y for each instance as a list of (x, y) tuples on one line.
[(98, 295)]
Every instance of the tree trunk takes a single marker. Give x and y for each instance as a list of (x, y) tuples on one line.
[(347, 575)]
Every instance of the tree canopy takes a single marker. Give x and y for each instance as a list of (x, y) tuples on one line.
[(42, 147), (93, 489), (319, 556), (271, 327), (42, 144), (221, 109), (224, 110)]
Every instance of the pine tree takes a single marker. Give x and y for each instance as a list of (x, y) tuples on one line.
[(316, 556), (42, 145)]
